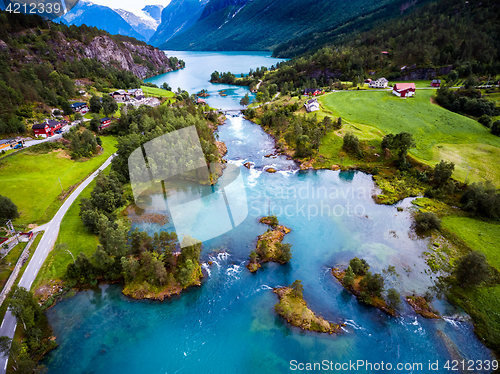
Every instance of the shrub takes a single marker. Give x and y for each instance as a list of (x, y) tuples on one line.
[(443, 172), (425, 221), (351, 143), (482, 199), (472, 269), (495, 128), (393, 298), (485, 120)]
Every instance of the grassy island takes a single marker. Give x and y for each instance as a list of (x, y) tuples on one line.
[(293, 308), (368, 287), (269, 246)]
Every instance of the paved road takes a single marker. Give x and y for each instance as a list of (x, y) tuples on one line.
[(9, 323)]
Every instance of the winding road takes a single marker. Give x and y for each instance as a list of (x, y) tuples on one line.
[(9, 323)]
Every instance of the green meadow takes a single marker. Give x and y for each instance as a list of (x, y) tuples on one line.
[(31, 181), (439, 133), (73, 237), (158, 92), (481, 302)]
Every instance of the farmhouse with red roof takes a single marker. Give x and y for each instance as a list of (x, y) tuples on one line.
[(404, 89)]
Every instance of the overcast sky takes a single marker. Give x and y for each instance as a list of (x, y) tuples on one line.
[(130, 5)]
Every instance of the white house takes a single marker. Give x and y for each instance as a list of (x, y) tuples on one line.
[(136, 92), (379, 83), (312, 105)]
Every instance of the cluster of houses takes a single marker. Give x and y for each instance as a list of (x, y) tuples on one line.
[(122, 96), (134, 97)]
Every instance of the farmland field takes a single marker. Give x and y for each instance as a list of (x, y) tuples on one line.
[(31, 181), (438, 132)]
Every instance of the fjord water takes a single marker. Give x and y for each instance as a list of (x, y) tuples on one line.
[(228, 324), (200, 65)]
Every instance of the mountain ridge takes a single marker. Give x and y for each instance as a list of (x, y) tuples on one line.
[(261, 24)]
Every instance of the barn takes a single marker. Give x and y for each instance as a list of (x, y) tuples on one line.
[(404, 89)]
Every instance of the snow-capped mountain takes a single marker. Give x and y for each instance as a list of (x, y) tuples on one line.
[(140, 21), (140, 24)]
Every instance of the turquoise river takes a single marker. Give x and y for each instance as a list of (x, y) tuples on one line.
[(228, 324)]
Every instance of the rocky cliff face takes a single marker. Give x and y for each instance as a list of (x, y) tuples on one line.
[(141, 59), (107, 51)]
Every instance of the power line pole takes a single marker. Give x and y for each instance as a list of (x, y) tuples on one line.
[(60, 184)]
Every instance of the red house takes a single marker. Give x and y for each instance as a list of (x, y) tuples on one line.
[(42, 129), (404, 89), (105, 122), (436, 83), (47, 129), (312, 91)]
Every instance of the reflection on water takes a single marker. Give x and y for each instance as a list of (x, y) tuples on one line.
[(228, 325)]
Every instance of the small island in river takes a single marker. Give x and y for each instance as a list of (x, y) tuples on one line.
[(293, 308), (422, 307), (269, 247), (366, 286)]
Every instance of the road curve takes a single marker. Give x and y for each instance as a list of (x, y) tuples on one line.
[(9, 323)]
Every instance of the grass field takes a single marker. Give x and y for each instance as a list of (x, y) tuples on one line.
[(438, 133), (478, 235), (158, 92), (481, 303), (8, 262), (32, 181), (75, 236)]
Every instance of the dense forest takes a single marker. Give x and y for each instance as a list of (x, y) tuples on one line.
[(35, 74), (465, 35), (141, 261)]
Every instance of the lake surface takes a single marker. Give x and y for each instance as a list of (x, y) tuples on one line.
[(228, 325), (200, 65)]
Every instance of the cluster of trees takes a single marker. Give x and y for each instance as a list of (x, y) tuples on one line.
[(105, 198), (282, 252), (106, 103), (401, 143), (482, 199), (371, 285), (467, 101), (140, 125), (301, 133), (136, 257), (83, 142), (37, 333), (227, 77), (8, 210)]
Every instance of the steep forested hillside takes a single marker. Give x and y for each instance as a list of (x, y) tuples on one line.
[(454, 34), (176, 18), (40, 60), (264, 24)]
